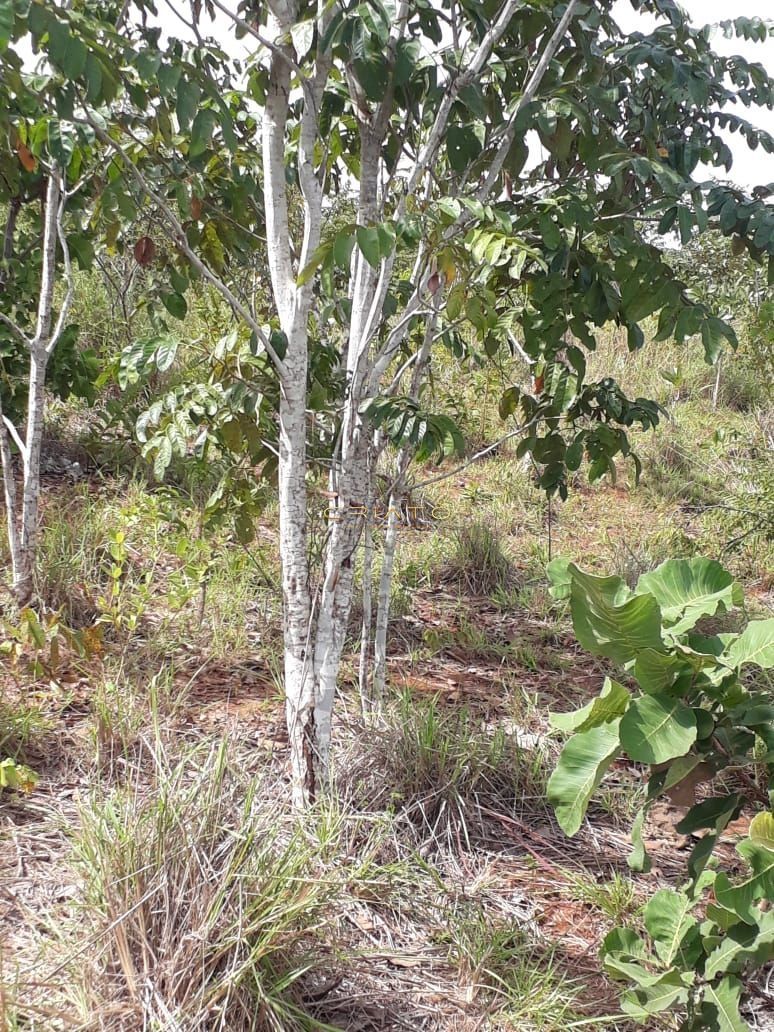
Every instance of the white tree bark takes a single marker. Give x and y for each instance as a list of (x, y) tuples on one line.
[(23, 540), (10, 498), (363, 678), (397, 497)]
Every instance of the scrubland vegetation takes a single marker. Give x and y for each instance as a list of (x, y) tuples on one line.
[(159, 873)]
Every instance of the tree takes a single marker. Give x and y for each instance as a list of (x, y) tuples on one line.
[(417, 117), (48, 192)]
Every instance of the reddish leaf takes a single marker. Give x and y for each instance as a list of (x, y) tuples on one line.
[(144, 251), (26, 157)]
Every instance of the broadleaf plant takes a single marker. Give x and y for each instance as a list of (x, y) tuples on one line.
[(687, 706)]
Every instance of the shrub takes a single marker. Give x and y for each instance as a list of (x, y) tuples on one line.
[(693, 715)]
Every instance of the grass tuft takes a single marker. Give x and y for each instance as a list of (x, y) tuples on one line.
[(201, 915), (445, 772), (478, 564)]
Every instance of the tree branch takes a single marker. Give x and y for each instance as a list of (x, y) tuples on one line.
[(533, 84), (472, 71), (13, 432), (16, 329), (68, 270), (477, 457)]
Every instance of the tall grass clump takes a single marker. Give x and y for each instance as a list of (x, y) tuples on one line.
[(202, 911), (478, 565), (444, 771)]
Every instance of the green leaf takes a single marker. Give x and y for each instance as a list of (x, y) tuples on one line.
[(638, 859), (762, 830), (343, 244), (165, 352), (715, 812), (625, 943), (740, 944), (175, 304), (609, 621), (560, 577), (6, 23), (610, 704), (581, 767), (685, 223), (163, 458), (188, 95), (754, 645), (387, 237), (316, 259), (655, 729), (656, 671), (687, 589), (720, 1009), (201, 131), (672, 927), (757, 884), (666, 991), (369, 242), (462, 146)]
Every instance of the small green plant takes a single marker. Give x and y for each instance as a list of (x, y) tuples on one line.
[(123, 603), (689, 711), (42, 645), (17, 776), (615, 898), (444, 771), (479, 565), (701, 941)]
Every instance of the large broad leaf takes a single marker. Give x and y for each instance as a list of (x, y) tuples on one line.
[(369, 243), (715, 813), (754, 645), (581, 767), (672, 927), (669, 990), (741, 944), (623, 942), (656, 671), (612, 703), (657, 728), (610, 621), (757, 884), (687, 589), (720, 1010), (560, 577), (762, 830), (638, 859)]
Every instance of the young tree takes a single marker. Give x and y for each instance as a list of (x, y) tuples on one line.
[(45, 191), (421, 116)]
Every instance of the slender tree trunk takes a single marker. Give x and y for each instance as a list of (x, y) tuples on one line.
[(363, 679), (24, 576), (397, 495), (716, 387), (299, 673), (383, 600), (10, 497), (40, 348)]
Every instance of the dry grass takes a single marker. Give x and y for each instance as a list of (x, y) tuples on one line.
[(200, 915)]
